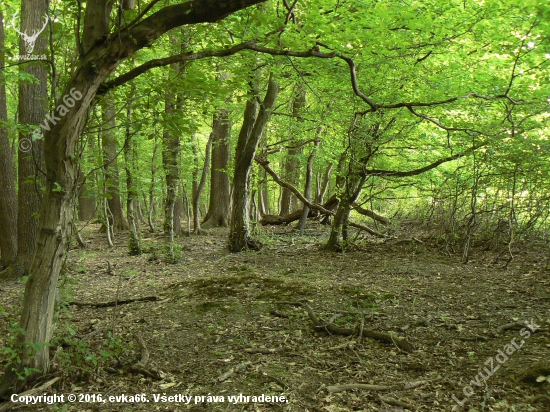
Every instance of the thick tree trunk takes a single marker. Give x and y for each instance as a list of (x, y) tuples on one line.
[(110, 156), (249, 137), (86, 203), (334, 243), (33, 103), (61, 175), (218, 209), (8, 196)]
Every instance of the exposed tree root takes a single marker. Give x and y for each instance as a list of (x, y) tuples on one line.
[(8, 405), (357, 331), (141, 367)]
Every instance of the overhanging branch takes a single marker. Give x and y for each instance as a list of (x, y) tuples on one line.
[(314, 52)]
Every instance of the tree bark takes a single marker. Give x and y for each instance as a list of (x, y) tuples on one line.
[(110, 159), (218, 209), (307, 189), (86, 203), (32, 109), (170, 156), (199, 186), (61, 174), (292, 163), (87, 207), (251, 131), (134, 242), (8, 196)]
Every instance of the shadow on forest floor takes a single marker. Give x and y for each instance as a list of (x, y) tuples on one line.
[(212, 306)]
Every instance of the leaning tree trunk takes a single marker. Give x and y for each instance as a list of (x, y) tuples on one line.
[(8, 196), (249, 137), (56, 215), (218, 209), (32, 108)]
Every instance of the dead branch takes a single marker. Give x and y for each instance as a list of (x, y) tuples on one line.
[(330, 204), (232, 371), (264, 351), (510, 326), (371, 214), (367, 229), (337, 330), (115, 303), (396, 402), (368, 387)]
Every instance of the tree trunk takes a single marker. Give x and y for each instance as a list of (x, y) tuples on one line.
[(170, 156), (8, 197), (110, 156), (56, 215), (251, 131), (86, 203), (339, 230), (307, 190), (32, 109), (218, 209), (323, 185), (292, 163), (134, 243), (199, 186), (151, 213), (87, 206)]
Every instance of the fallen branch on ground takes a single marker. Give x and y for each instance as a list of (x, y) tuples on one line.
[(264, 351), (396, 402), (337, 330), (115, 302), (232, 371), (367, 387)]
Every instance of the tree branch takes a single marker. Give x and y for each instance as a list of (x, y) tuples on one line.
[(395, 173)]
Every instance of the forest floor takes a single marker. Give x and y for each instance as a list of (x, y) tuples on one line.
[(212, 306)]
